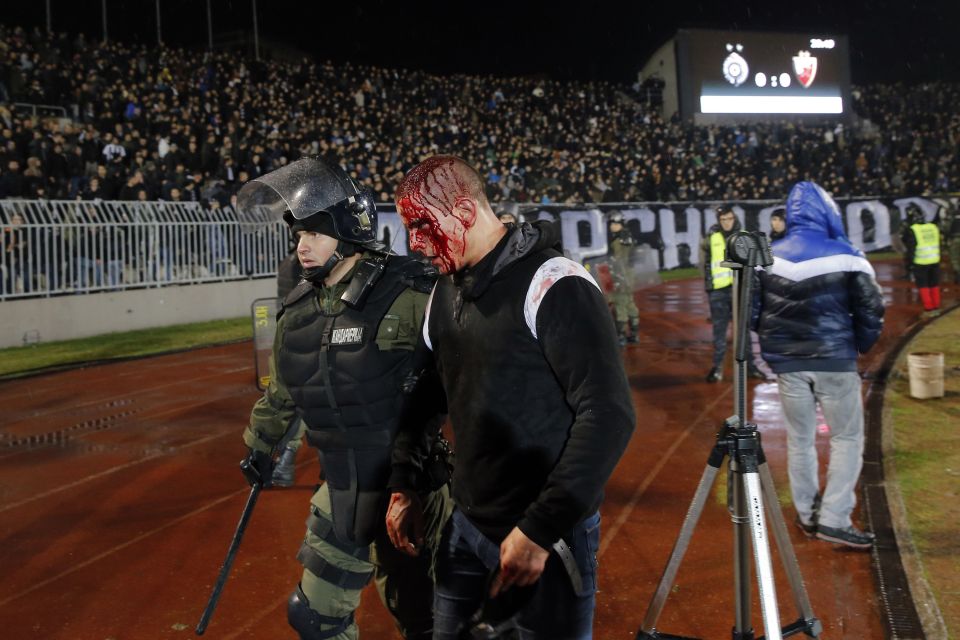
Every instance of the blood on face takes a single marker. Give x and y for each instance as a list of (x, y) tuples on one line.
[(426, 201)]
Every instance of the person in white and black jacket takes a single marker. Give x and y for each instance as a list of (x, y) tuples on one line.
[(531, 375), (819, 307)]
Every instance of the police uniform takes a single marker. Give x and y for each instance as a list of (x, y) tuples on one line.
[(367, 349), (341, 369), (624, 306)]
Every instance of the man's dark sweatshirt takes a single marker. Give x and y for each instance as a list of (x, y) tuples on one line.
[(527, 354)]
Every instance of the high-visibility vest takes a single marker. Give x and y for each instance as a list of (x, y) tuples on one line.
[(721, 277), (928, 243)]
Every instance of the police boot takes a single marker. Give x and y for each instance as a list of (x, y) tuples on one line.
[(622, 334), (634, 331), (283, 472)]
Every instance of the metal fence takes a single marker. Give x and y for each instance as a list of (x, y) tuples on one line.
[(67, 247)]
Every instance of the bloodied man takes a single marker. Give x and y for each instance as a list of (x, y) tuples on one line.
[(526, 362)]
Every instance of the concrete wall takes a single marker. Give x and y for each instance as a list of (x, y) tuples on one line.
[(663, 64), (79, 316)]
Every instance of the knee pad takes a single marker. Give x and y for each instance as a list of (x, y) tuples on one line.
[(307, 622)]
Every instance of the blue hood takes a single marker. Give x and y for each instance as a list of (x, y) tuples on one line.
[(814, 226)]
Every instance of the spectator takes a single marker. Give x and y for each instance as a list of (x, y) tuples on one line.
[(819, 307), (778, 225), (536, 139), (15, 256)]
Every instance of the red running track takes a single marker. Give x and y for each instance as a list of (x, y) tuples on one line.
[(119, 492)]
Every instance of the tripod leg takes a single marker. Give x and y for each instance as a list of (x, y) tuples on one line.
[(683, 540), (778, 528), (761, 556), (741, 553)]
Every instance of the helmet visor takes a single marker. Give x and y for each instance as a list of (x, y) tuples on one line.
[(303, 188)]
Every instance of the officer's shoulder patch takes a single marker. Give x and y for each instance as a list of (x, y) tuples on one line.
[(298, 293), (417, 275)]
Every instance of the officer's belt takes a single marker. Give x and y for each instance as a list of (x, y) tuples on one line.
[(570, 565), (319, 567), (323, 529), (352, 438)]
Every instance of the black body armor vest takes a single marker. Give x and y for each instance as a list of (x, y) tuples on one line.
[(348, 393)]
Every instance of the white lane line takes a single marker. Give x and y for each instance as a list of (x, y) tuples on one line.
[(621, 519), (107, 472), (119, 547)]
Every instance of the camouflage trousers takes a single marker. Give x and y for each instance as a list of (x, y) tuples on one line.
[(405, 584), (953, 250), (624, 306)]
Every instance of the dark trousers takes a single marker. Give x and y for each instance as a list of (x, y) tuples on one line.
[(466, 560), (926, 275), (721, 313)]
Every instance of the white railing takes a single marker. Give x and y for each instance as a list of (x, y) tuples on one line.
[(68, 247)]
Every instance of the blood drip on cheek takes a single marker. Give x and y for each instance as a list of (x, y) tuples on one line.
[(441, 245)]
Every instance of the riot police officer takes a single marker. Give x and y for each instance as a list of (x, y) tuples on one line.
[(622, 244), (922, 242), (343, 354)]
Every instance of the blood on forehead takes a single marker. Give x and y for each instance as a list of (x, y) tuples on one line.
[(431, 188)]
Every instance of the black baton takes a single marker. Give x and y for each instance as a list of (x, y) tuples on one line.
[(228, 562)]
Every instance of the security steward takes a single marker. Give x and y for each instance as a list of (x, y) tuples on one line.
[(622, 244), (342, 357), (718, 281), (922, 242)]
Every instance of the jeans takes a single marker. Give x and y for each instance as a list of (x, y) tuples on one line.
[(721, 313), (839, 396), (466, 559)]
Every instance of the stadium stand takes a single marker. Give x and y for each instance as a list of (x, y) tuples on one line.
[(173, 124)]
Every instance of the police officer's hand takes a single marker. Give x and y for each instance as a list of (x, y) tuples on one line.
[(257, 468), (521, 562), (405, 522)]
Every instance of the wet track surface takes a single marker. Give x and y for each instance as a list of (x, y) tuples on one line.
[(119, 492)]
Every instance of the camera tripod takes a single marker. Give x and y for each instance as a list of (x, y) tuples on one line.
[(749, 485)]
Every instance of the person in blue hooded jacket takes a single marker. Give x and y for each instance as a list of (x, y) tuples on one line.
[(818, 308)]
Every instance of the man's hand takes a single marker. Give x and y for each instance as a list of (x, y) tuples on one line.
[(257, 468), (405, 517), (521, 562)]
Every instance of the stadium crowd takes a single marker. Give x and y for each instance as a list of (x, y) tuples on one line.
[(165, 123)]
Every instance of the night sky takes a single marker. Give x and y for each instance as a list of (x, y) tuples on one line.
[(889, 40)]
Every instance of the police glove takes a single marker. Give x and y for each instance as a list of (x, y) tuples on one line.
[(257, 468)]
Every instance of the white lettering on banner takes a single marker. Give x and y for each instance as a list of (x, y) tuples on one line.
[(854, 212), (672, 239), (645, 217), (570, 234), (928, 207), (660, 218)]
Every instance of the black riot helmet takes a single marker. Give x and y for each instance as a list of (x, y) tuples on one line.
[(315, 195), (914, 214)]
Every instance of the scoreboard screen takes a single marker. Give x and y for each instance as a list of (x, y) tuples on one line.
[(748, 72)]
